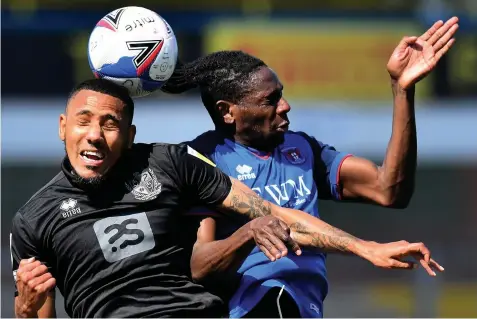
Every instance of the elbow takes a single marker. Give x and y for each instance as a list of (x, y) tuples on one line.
[(198, 276), (199, 273), (202, 269), (397, 204), (400, 200), (398, 197)]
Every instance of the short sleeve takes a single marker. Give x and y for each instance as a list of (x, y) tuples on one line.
[(23, 244), (327, 165), (201, 180)]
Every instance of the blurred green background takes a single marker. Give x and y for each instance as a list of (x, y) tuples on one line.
[(331, 57)]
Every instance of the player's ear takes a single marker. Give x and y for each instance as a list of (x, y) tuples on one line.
[(62, 127), (225, 109), (131, 135)]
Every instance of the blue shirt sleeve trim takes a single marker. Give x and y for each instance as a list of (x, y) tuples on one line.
[(335, 175)]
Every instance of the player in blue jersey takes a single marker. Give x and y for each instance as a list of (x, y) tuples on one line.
[(252, 143)]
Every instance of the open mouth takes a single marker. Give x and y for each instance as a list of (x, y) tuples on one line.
[(283, 126), (92, 157)]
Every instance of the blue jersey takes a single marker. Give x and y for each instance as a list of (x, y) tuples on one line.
[(296, 174)]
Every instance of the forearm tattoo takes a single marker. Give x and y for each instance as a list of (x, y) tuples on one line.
[(249, 203), (329, 239)]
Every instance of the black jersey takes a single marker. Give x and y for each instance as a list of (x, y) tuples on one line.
[(121, 250)]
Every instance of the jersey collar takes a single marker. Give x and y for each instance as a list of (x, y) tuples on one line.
[(260, 154), (114, 177)]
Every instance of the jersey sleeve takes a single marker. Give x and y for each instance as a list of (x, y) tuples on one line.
[(200, 179), (327, 165), (23, 244)]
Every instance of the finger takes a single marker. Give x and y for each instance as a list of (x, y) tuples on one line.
[(445, 38), (271, 248), (278, 245), (426, 35), (442, 30), (435, 265), (28, 267), (26, 274), (294, 246), (402, 264), (26, 261), (419, 248), (266, 252), (288, 240), (284, 227), (40, 270), (426, 266), (444, 50), (33, 283), (405, 43), (46, 286)]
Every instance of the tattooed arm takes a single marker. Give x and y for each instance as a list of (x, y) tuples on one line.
[(309, 231)]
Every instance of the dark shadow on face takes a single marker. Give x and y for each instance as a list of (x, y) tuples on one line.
[(261, 118)]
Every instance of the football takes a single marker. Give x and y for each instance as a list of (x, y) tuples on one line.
[(134, 47)]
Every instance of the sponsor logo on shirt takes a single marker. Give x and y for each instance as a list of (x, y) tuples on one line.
[(288, 194), (69, 208), (124, 236), (245, 172)]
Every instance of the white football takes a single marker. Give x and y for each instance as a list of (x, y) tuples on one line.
[(134, 47)]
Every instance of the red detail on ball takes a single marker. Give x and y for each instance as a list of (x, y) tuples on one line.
[(105, 24), (143, 67)]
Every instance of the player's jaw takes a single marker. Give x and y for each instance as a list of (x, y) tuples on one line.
[(92, 159)]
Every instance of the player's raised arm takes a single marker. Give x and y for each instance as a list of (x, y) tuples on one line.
[(392, 183)]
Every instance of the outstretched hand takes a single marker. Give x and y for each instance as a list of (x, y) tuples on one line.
[(415, 57), (390, 255)]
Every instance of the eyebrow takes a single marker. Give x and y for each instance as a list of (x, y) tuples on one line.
[(89, 113), (275, 93), (84, 112)]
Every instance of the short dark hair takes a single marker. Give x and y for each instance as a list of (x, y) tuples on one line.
[(109, 88), (222, 75)]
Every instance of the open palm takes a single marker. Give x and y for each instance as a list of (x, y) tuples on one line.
[(415, 57)]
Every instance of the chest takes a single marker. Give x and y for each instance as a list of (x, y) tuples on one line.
[(285, 177), (140, 219)]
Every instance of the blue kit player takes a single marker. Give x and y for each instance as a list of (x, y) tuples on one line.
[(252, 143)]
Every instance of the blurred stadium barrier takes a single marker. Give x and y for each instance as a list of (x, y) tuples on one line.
[(319, 59)]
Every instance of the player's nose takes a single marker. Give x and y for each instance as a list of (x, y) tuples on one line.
[(283, 107), (94, 134)]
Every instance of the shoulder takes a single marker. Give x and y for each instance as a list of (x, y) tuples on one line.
[(165, 155), (45, 200), (207, 142), (158, 151), (302, 137)]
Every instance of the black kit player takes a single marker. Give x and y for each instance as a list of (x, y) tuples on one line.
[(108, 230)]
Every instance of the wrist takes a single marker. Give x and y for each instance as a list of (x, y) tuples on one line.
[(361, 248), (399, 90), (25, 311)]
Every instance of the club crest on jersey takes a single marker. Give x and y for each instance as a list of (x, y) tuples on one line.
[(144, 186), (69, 208), (293, 155)]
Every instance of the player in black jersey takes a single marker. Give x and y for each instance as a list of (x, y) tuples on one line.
[(109, 229)]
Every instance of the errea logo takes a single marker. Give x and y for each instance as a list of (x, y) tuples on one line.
[(69, 208), (245, 172)]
